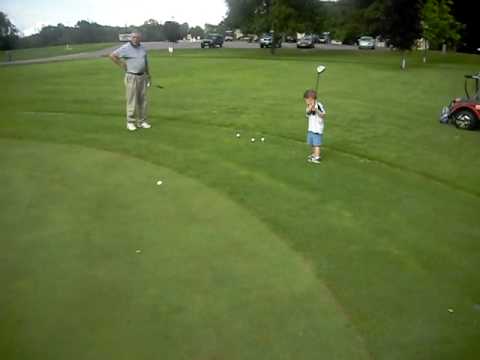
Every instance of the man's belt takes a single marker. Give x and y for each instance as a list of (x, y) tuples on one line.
[(138, 74)]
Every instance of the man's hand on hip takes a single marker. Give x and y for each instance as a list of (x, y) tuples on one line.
[(118, 61)]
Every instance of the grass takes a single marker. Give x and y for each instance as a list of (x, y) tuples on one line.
[(51, 51), (248, 252)]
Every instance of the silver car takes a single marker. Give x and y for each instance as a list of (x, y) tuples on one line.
[(366, 42), (305, 43), (267, 41)]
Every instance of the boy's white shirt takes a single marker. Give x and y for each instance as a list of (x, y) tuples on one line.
[(315, 122)]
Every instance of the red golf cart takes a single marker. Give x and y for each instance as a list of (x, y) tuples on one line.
[(464, 112)]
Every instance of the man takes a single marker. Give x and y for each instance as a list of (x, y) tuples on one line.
[(132, 58)]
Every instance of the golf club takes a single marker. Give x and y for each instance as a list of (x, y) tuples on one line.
[(320, 69)]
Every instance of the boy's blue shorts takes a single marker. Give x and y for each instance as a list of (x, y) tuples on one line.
[(314, 139)]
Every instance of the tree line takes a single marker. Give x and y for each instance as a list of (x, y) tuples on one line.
[(402, 22), (453, 23), (90, 32)]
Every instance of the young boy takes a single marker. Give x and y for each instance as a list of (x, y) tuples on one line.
[(315, 113)]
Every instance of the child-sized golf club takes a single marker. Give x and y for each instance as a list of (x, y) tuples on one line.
[(320, 69)]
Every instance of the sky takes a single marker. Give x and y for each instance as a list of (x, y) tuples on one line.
[(30, 15)]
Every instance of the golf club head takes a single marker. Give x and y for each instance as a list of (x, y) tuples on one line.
[(321, 69)]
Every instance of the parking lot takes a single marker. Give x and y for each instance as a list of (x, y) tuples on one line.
[(238, 45)]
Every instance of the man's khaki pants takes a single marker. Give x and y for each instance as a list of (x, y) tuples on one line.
[(136, 86)]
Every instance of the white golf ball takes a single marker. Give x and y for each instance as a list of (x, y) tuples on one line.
[(252, 139), (159, 182), (262, 139), (238, 135), (138, 251)]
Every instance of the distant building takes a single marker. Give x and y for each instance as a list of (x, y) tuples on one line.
[(124, 37)]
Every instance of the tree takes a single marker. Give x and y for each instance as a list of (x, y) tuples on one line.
[(197, 31), (172, 31), (282, 16), (184, 30), (85, 31), (241, 13), (439, 25), (215, 29), (152, 31), (51, 35), (8, 33), (374, 18), (463, 12), (347, 20), (402, 23)]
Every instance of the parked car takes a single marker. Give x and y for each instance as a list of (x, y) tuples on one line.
[(305, 43), (267, 41), (325, 38), (290, 39), (212, 41), (366, 42), (229, 36), (248, 38)]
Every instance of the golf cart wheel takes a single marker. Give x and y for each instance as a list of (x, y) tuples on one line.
[(465, 119)]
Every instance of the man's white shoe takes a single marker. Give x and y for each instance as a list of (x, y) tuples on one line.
[(145, 125), (131, 127)]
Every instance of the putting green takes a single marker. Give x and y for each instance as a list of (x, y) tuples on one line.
[(387, 222), (210, 281)]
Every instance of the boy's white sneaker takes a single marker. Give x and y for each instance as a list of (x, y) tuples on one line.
[(145, 125), (315, 160), (131, 127)]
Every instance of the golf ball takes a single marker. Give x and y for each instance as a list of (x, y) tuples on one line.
[(262, 139), (252, 139), (138, 251), (238, 135), (159, 182)]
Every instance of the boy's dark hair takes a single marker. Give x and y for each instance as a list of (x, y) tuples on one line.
[(310, 94)]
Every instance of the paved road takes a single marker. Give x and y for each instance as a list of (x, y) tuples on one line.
[(164, 46), (85, 55)]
